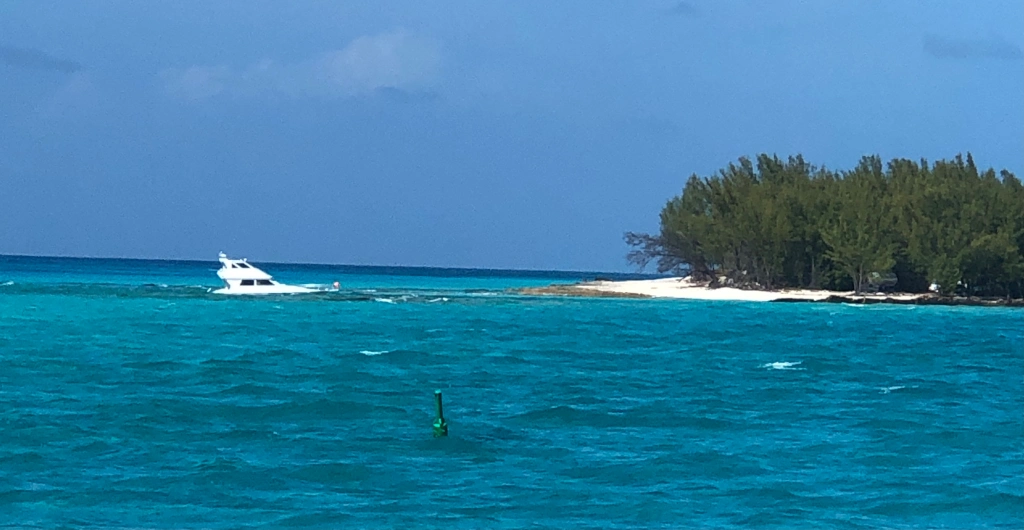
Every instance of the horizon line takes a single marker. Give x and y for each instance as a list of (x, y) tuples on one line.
[(321, 264)]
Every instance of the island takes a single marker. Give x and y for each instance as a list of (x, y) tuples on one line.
[(773, 230)]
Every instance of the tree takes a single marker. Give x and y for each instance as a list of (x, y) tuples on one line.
[(858, 231), (771, 222), (992, 263)]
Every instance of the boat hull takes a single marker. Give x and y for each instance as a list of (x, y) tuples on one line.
[(264, 289)]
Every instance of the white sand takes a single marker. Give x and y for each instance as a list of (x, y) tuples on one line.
[(684, 288)]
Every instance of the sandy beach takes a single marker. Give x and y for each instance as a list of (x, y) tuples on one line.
[(683, 288)]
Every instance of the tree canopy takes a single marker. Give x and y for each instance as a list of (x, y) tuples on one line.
[(785, 223)]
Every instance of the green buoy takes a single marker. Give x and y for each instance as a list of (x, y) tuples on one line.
[(440, 426)]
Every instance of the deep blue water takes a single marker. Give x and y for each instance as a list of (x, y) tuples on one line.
[(131, 397)]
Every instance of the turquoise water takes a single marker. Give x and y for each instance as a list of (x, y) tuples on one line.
[(134, 398)]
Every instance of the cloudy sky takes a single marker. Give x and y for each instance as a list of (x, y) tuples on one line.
[(508, 134)]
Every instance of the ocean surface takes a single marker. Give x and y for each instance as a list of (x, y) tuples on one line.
[(132, 397)]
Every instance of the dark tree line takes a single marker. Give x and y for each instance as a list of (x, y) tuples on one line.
[(905, 225)]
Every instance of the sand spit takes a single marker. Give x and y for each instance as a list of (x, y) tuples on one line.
[(683, 288)]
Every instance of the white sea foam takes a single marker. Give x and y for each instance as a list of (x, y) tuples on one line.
[(374, 352), (7, 283), (441, 299), (888, 389), (384, 300), (782, 366)]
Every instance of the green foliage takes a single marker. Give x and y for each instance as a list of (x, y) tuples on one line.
[(858, 229), (785, 223)]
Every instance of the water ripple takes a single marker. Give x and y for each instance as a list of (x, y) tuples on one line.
[(168, 407)]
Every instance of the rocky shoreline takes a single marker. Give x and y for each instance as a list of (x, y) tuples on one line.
[(927, 299)]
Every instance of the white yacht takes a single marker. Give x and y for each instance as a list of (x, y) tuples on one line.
[(242, 278)]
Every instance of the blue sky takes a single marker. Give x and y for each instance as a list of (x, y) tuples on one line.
[(518, 134)]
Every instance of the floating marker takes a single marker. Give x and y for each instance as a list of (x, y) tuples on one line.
[(440, 426)]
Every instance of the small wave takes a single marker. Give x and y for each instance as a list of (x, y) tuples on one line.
[(570, 415), (384, 300), (888, 389), (374, 352), (782, 366), (441, 299), (318, 286), (6, 283)]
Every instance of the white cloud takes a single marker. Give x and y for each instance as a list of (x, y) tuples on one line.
[(397, 60)]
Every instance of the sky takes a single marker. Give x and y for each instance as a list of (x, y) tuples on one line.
[(503, 134)]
